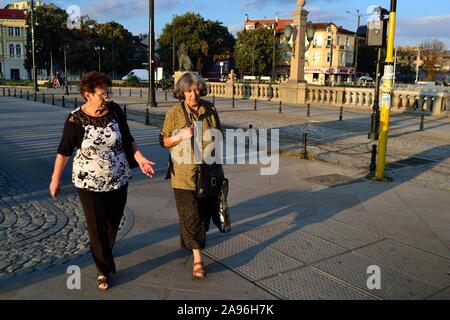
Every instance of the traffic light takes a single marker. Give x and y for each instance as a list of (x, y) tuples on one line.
[(376, 33)]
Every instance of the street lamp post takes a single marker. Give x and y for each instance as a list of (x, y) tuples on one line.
[(151, 68), (99, 49), (66, 78), (417, 65), (33, 49), (274, 48), (358, 15), (173, 46), (331, 57)]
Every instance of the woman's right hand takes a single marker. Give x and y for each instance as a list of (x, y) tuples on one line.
[(187, 133), (54, 188)]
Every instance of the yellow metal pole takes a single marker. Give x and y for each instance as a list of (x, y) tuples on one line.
[(387, 88)]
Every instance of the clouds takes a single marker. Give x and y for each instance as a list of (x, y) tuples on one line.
[(260, 4), (317, 14), (431, 26), (235, 28), (121, 10), (413, 31)]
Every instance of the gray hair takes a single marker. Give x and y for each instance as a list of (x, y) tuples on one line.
[(185, 83)]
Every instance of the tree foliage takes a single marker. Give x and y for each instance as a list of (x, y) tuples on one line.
[(254, 51), (202, 38), (431, 54), (120, 54)]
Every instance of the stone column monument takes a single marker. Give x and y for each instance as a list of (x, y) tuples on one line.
[(294, 91)]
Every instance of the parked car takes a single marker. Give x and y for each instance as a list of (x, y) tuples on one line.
[(365, 81), (141, 74)]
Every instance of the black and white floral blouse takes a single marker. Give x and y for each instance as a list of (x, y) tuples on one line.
[(100, 163)]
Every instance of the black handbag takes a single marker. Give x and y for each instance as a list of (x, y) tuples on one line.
[(221, 218)]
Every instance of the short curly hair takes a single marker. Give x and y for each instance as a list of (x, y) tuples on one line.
[(185, 83), (92, 80)]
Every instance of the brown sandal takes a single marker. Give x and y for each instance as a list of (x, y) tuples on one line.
[(199, 272)]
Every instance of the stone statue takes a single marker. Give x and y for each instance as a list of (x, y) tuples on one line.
[(231, 76), (184, 61)]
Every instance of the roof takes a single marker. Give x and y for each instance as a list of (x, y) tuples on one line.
[(324, 25), (280, 26), (12, 14), (283, 22)]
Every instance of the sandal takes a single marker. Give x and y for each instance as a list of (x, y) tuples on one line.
[(102, 282), (199, 272)]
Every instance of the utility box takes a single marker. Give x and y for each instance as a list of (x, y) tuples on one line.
[(376, 33)]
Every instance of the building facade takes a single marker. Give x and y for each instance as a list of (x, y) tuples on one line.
[(23, 5), (329, 58), (13, 37)]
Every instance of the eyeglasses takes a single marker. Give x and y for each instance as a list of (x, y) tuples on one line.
[(104, 95)]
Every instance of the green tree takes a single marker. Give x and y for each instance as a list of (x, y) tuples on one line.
[(121, 52), (203, 39), (254, 51), (50, 33)]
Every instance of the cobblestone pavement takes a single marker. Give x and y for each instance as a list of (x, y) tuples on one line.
[(37, 232)]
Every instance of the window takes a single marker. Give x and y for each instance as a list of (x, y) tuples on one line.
[(10, 32), (329, 29), (338, 40), (18, 50), (319, 40), (328, 57), (17, 32), (329, 41), (315, 77), (316, 57), (349, 58), (11, 50), (342, 59), (347, 42)]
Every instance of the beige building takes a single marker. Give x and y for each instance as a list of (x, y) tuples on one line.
[(329, 59), (23, 5), (13, 38), (330, 56)]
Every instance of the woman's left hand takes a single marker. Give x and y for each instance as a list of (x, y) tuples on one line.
[(146, 167)]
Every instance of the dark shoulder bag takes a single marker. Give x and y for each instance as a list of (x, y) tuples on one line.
[(209, 176)]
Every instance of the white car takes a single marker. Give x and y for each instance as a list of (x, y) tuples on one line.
[(141, 74), (365, 81)]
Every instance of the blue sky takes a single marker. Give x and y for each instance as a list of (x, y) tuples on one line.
[(417, 20)]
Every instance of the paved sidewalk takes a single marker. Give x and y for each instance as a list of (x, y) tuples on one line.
[(309, 232)]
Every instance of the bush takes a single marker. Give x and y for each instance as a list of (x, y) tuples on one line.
[(132, 79)]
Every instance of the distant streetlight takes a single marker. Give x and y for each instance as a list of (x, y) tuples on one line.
[(275, 25), (359, 15), (33, 49), (254, 48), (151, 56), (66, 78), (99, 49)]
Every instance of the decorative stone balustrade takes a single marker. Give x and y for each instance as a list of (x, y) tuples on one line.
[(436, 103)]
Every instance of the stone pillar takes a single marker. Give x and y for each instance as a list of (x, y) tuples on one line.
[(294, 91), (300, 15)]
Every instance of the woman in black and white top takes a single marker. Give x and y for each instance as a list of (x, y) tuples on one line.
[(105, 153)]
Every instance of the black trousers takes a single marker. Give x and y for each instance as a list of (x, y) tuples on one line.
[(103, 212), (194, 215)]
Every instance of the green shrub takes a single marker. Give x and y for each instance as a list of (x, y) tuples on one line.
[(132, 79)]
